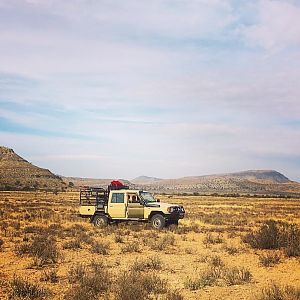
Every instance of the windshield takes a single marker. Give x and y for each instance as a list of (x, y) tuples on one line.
[(147, 197)]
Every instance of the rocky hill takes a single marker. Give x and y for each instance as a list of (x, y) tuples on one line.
[(18, 174), (145, 180), (246, 182)]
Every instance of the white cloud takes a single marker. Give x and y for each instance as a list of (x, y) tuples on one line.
[(278, 25)]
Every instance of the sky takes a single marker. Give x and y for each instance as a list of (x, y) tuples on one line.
[(164, 88)]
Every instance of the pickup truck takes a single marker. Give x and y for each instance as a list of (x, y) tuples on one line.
[(117, 204)]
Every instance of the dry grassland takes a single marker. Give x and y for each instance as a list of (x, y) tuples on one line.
[(217, 252)]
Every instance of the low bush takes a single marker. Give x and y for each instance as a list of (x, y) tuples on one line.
[(276, 292), (1, 244), (100, 248), (276, 235), (164, 242), (89, 282), (212, 239), (236, 276), (206, 278), (150, 263), (173, 295), (131, 247), (76, 272), (50, 276), (23, 289), (136, 285), (269, 259), (73, 244), (42, 248)]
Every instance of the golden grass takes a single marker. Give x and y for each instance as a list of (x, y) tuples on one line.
[(203, 258)]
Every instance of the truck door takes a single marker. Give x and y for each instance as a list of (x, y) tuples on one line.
[(135, 208), (116, 207)]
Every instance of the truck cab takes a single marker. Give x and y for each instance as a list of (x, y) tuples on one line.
[(116, 205)]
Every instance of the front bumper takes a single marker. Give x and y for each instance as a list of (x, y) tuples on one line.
[(175, 215)]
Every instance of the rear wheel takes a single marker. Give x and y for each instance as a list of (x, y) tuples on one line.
[(100, 221), (158, 222)]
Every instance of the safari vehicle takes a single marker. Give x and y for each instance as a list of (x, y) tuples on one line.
[(119, 203)]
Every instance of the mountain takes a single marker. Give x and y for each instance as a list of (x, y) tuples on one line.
[(17, 173), (246, 182), (145, 180)]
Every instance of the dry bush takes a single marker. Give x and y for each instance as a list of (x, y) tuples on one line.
[(163, 243), (50, 276), (136, 285), (236, 276), (43, 249), (131, 247), (269, 259), (1, 244), (150, 263), (206, 278), (22, 289), (209, 276), (276, 235), (119, 238), (85, 238), (73, 244), (276, 292), (231, 250), (89, 282), (100, 248), (76, 272), (173, 295), (213, 239)]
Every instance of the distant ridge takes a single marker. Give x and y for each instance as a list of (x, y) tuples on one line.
[(267, 182), (145, 180), (17, 173)]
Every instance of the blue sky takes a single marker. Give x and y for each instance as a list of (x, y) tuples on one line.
[(165, 88)]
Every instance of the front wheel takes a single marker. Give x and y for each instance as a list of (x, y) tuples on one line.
[(100, 221), (158, 222)]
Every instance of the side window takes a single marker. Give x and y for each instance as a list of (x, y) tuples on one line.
[(117, 198)]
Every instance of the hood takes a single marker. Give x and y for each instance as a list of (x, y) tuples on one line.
[(161, 204)]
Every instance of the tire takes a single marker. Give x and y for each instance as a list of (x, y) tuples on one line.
[(100, 221), (158, 222)]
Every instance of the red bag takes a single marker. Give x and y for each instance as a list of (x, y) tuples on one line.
[(116, 183)]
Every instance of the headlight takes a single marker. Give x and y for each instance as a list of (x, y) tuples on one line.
[(170, 209)]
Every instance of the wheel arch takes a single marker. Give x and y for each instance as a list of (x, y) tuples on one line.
[(155, 213), (99, 214)]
